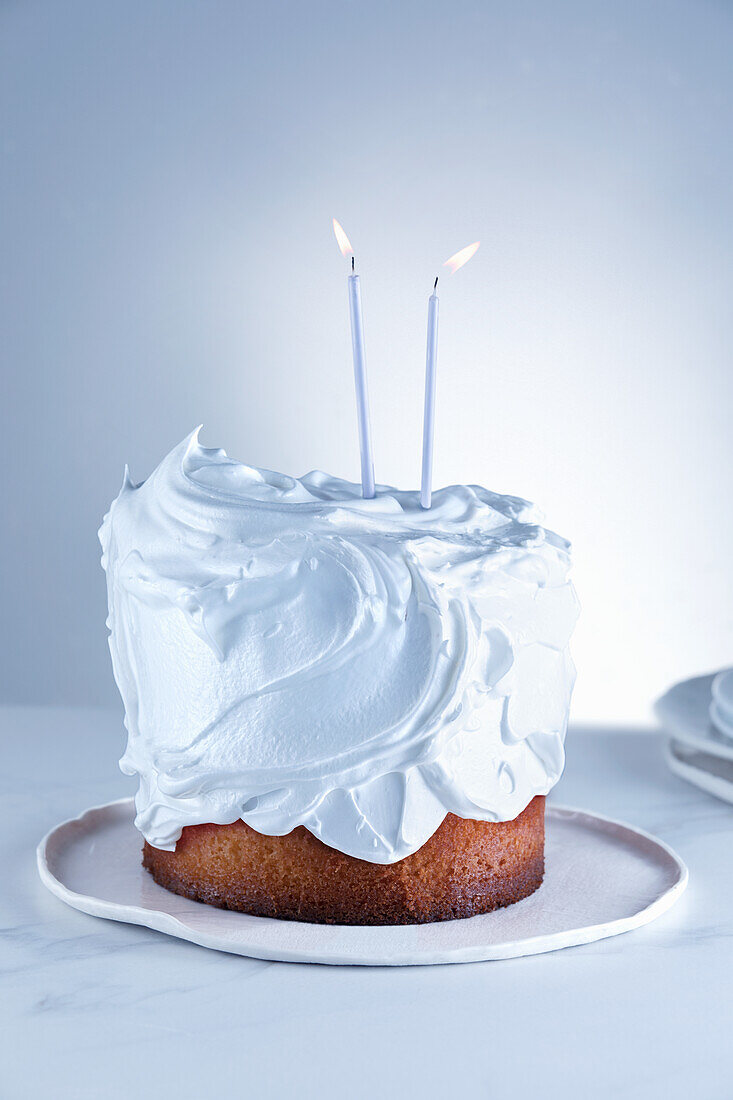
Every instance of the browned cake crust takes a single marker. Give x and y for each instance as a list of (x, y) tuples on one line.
[(465, 868)]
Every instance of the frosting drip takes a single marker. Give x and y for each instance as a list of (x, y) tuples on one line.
[(291, 654)]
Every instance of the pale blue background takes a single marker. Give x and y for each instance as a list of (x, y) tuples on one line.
[(169, 175)]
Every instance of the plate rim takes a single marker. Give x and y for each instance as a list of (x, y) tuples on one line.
[(168, 924), (696, 774), (701, 738)]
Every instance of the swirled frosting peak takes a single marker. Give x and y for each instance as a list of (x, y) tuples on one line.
[(291, 654)]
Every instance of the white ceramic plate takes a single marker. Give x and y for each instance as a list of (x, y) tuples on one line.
[(711, 773), (721, 707), (684, 712), (602, 878)]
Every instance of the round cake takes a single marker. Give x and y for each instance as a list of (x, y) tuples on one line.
[(464, 868), (340, 709)]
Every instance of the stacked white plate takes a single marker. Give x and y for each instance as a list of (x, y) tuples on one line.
[(698, 715)]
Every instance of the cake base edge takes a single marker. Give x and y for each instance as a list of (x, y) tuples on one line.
[(466, 868)]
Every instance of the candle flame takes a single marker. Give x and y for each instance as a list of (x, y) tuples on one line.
[(462, 257), (343, 241)]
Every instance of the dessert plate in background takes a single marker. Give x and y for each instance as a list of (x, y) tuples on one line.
[(684, 712), (710, 773), (721, 707), (602, 878)]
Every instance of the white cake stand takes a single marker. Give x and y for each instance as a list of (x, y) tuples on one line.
[(602, 878)]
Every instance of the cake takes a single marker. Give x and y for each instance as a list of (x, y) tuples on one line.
[(339, 709)]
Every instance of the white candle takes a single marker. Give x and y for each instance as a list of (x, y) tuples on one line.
[(362, 390), (431, 364), (360, 375)]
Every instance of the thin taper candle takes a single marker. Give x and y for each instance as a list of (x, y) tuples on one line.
[(360, 375), (362, 390), (431, 365)]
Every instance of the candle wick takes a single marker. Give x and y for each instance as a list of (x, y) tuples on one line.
[(352, 263), (435, 284)]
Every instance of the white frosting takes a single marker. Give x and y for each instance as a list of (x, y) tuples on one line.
[(291, 654)]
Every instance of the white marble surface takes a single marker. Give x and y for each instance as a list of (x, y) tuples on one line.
[(92, 1009)]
